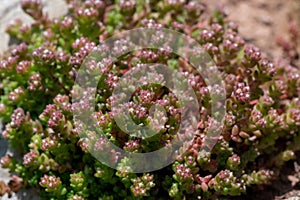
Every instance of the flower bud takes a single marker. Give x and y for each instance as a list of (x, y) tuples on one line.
[(51, 183), (258, 177), (49, 143), (127, 7), (62, 58), (293, 117), (288, 155), (35, 82), (56, 119), (34, 8), (86, 15), (227, 184), (207, 36), (63, 102), (183, 174), (150, 24), (132, 145), (241, 92), (77, 181), (76, 197), (194, 10), (267, 68), (42, 55), (17, 118), (66, 25), (79, 43), (84, 144), (30, 158), (7, 162), (99, 4), (5, 66), (174, 190), (142, 185), (13, 29), (233, 162), (48, 111), (252, 53), (20, 50), (23, 67), (16, 95)]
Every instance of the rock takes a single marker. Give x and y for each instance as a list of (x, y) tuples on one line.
[(11, 10)]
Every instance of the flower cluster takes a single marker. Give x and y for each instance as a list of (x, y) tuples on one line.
[(142, 185), (52, 184), (262, 119)]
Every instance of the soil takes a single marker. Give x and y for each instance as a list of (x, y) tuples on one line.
[(263, 23)]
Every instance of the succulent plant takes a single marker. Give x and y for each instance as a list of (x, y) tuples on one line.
[(37, 75)]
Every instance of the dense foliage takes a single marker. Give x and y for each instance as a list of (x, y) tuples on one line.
[(261, 129)]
